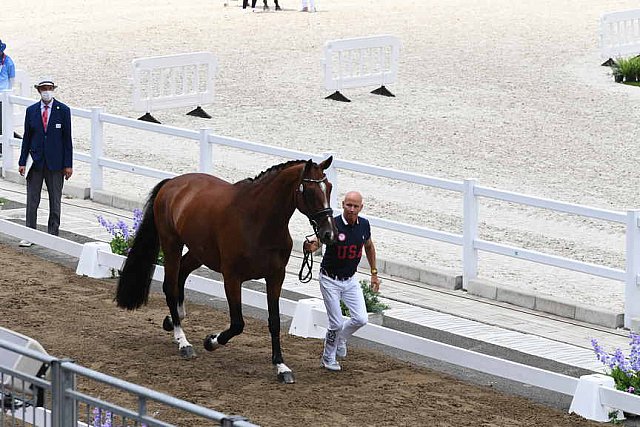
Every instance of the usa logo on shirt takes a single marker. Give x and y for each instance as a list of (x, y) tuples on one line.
[(342, 237)]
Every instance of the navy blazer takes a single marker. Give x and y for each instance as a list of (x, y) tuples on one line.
[(53, 147)]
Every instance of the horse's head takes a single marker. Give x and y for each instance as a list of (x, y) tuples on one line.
[(313, 197)]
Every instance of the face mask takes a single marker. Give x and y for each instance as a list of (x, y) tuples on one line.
[(46, 95)]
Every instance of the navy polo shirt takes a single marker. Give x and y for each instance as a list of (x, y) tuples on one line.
[(342, 258)]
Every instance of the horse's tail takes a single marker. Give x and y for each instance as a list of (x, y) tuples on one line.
[(136, 274)]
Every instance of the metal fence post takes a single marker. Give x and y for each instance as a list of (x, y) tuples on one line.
[(206, 152), (7, 132), (469, 233), (63, 408), (631, 290), (332, 176), (97, 137)]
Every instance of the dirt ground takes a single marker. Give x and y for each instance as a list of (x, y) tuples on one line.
[(75, 317)]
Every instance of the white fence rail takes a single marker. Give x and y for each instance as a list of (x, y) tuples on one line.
[(560, 383), (171, 81), (620, 34), (469, 191), (361, 61)]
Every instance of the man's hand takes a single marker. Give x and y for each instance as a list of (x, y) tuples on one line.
[(21, 169), (375, 283), (67, 173), (311, 246)]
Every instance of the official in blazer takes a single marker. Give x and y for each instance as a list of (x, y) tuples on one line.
[(47, 139)]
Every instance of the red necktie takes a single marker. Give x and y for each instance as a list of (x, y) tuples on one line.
[(45, 117)]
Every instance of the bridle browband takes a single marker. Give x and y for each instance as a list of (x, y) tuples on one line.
[(317, 216)]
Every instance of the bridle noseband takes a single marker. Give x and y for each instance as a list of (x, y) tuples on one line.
[(317, 216)]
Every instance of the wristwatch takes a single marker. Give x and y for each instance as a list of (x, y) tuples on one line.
[(374, 271)]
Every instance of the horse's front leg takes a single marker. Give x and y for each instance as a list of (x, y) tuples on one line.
[(277, 5), (233, 292), (173, 295), (274, 286)]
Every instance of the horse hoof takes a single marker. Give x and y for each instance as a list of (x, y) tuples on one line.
[(286, 377), (278, 8), (167, 324), (211, 343), (187, 352)]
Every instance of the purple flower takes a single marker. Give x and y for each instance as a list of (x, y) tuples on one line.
[(631, 389), (123, 228), (137, 220)]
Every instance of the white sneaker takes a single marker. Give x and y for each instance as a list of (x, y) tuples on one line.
[(341, 351), (25, 244), (331, 366)]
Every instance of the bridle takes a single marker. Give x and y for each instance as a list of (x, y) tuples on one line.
[(314, 218)]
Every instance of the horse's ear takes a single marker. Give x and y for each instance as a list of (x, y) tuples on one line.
[(324, 165), (307, 167)]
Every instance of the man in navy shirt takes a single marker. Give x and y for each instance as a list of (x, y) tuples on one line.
[(338, 282)]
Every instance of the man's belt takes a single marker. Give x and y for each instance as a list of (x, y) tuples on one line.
[(334, 276)]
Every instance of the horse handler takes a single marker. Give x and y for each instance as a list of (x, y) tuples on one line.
[(337, 278)]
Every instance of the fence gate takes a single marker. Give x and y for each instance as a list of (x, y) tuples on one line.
[(172, 81), (359, 62)]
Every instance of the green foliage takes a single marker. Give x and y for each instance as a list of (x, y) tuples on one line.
[(371, 300), (119, 245), (627, 67)]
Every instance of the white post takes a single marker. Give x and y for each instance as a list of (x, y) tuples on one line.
[(332, 176), (97, 136), (7, 132), (469, 233), (631, 290), (206, 152)]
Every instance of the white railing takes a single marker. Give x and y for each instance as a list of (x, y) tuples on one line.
[(469, 190), (620, 34), (105, 260), (171, 81)]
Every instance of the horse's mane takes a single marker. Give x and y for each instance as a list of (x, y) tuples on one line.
[(272, 169)]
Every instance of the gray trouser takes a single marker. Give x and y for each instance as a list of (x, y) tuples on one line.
[(0, 120), (54, 181)]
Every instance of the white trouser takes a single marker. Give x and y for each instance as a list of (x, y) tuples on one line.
[(310, 3), (339, 328)]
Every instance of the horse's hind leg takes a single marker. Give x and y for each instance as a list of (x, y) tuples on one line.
[(233, 291), (277, 5), (172, 256), (274, 287), (266, 6), (188, 263)]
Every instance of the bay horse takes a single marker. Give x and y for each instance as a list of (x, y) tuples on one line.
[(240, 230)]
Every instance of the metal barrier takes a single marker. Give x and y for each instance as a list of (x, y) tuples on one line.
[(63, 405), (620, 34), (171, 81)]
